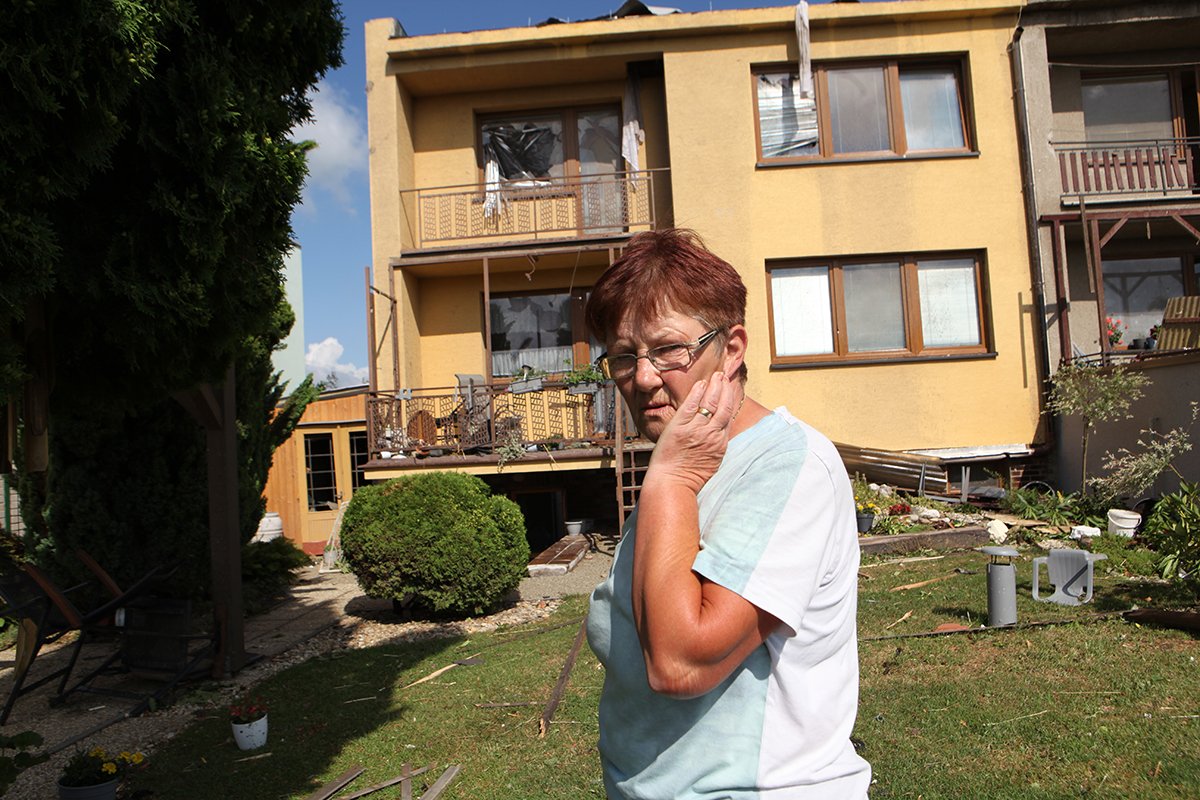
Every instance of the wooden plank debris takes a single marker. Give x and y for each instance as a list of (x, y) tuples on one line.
[(337, 784), (1180, 620), (556, 695), (441, 783), (907, 614), (405, 775), (438, 672), (919, 584)]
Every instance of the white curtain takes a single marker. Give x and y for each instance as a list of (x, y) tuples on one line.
[(949, 306), (800, 308)]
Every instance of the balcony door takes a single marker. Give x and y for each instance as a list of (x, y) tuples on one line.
[(570, 153), (1125, 109), (540, 330)]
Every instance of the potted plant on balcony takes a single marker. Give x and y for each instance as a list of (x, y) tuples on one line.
[(1116, 331), (582, 378), (530, 380)]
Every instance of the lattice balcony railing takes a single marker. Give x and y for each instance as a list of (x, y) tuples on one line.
[(592, 205), (477, 420)]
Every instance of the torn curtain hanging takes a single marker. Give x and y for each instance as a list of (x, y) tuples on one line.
[(787, 109)]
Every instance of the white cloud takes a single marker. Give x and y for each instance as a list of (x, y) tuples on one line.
[(324, 359), (340, 132)]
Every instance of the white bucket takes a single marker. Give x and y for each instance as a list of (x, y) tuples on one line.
[(269, 527), (1122, 522)]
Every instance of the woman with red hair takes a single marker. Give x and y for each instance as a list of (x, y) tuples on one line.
[(727, 624)]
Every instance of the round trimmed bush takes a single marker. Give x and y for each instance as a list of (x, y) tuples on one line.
[(439, 541)]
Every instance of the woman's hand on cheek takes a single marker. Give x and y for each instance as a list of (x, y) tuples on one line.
[(691, 447)]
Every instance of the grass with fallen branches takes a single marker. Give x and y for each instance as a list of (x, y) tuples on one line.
[(1094, 707)]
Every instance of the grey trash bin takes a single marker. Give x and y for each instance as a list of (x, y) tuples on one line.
[(1001, 586)]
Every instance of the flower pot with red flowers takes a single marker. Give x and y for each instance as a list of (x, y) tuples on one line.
[(249, 722), (95, 774), (1115, 330)]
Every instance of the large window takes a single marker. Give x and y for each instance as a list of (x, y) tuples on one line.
[(871, 109), (543, 331), (893, 307), (359, 455), (320, 473), (1134, 108), (553, 144), (1136, 290), (579, 148)]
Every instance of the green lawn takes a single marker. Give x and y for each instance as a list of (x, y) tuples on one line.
[(1101, 709)]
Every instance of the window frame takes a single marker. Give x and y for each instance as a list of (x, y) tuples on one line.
[(898, 140), (915, 349), (310, 473), (580, 345), (1174, 78), (568, 117)]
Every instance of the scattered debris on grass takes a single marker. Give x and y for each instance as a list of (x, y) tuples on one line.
[(556, 695), (437, 672), (337, 784), (897, 622), (919, 584), (403, 778)]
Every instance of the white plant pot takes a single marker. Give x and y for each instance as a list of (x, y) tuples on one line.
[(251, 735), (574, 527), (270, 527), (1122, 522)]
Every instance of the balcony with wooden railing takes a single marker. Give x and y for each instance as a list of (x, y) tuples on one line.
[(554, 208), (483, 420), (1130, 170)]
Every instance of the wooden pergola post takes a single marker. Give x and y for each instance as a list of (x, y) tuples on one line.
[(215, 408)]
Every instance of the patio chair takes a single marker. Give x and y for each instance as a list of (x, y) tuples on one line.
[(1071, 575), (37, 624), (472, 415), (154, 635)]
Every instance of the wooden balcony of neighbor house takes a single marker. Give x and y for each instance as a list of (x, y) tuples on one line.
[(486, 422), (1129, 170), (553, 208)]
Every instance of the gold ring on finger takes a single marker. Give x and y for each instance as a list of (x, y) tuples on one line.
[(704, 412)]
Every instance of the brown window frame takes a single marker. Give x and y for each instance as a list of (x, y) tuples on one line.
[(910, 303), (568, 116), (898, 142), (580, 345), (1175, 79)]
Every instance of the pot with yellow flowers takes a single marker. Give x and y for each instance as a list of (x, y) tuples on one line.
[(249, 721), (95, 774), (865, 506)]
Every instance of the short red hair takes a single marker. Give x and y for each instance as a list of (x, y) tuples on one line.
[(667, 270)]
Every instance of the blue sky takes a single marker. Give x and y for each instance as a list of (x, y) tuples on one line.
[(333, 224)]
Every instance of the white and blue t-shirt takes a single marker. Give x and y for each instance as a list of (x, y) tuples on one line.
[(777, 526)]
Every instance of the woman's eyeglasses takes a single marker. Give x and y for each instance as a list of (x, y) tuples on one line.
[(663, 359)]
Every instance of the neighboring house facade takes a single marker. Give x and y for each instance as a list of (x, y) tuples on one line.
[(1108, 95), (288, 358), (878, 224)]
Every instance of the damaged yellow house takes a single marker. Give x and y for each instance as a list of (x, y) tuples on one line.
[(866, 184)]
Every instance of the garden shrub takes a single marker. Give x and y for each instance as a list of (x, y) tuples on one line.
[(1173, 530), (268, 568), (439, 542)]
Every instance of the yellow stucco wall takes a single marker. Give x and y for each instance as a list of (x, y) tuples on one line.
[(748, 214)]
